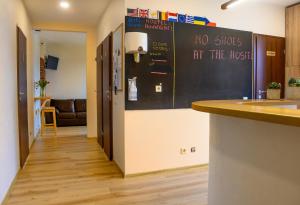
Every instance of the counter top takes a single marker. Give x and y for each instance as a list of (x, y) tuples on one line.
[(42, 98), (285, 112)]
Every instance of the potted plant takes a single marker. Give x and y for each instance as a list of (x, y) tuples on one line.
[(297, 83), (42, 85), (292, 82), (273, 92)]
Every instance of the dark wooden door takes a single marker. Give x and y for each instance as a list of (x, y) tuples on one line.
[(99, 96), (22, 96), (269, 62), (107, 96)]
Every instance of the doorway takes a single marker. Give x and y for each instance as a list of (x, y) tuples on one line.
[(63, 63), (104, 96), (269, 63), (22, 96)]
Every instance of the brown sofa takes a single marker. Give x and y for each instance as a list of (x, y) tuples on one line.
[(70, 112)]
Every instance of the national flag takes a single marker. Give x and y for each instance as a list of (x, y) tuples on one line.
[(206, 20), (200, 20), (153, 14), (172, 17), (143, 13), (163, 16), (211, 24), (181, 18), (190, 19), (133, 12)]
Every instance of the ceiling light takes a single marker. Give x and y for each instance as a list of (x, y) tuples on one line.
[(64, 4), (230, 4)]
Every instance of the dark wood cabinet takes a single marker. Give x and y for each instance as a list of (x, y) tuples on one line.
[(293, 36), (292, 49)]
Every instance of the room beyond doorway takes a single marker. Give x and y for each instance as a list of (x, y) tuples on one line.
[(68, 77), (63, 64)]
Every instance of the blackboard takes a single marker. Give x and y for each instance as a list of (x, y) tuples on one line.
[(211, 64), (191, 62), (155, 67)]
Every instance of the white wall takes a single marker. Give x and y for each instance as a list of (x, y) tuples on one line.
[(12, 13), (109, 21), (253, 15), (69, 80), (153, 138), (165, 132)]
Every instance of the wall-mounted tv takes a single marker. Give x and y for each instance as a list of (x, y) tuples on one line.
[(52, 62)]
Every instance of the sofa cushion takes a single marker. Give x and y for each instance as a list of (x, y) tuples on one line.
[(63, 105), (81, 115), (80, 105), (66, 115)]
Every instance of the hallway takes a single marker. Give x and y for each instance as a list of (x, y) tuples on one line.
[(72, 170)]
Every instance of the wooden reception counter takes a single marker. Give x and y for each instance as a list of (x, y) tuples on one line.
[(254, 152), (277, 111)]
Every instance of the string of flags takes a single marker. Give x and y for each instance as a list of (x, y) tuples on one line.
[(170, 16)]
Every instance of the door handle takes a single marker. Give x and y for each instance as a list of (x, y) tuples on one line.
[(108, 95)]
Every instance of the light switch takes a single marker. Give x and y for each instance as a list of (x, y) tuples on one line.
[(158, 88)]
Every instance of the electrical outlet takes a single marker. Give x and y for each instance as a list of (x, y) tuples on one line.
[(158, 88), (183, 151), (193, 149)]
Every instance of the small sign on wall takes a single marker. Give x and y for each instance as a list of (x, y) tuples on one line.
[(271, 53)]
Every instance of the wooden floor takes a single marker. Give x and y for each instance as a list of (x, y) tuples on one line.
[(66, 131), (72, 170)]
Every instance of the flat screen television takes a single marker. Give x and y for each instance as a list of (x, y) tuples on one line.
[(52, 62)]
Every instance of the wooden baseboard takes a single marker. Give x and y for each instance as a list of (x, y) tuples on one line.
[(33, 141), (123, 175), (165, 170), (38, 134)]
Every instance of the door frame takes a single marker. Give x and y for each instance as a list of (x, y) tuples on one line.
[(100, 92), (110, 36), (255, 63), (23, 146), (99, 73)]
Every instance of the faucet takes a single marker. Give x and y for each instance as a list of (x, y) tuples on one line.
[(260, 93)]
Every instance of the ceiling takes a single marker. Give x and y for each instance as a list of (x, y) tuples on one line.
[(81, 12), (278, 2), (58, 37), (88, 12), (283, 3)]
